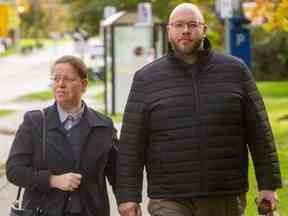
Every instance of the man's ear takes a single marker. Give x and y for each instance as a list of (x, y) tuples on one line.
[(205, 29), (168, 31)]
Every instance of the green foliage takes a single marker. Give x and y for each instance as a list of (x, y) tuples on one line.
[(32, 22), (44, 17), (270, 55), (88, 13), (275, 13)]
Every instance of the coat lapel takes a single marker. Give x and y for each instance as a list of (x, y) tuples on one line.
[(55, 127), (89, 120)]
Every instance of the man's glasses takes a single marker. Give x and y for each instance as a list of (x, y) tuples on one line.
[(182, 25)]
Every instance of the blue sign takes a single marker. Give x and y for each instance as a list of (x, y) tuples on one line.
[(240, 41)]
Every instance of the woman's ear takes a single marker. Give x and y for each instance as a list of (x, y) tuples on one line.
[(85, 84)]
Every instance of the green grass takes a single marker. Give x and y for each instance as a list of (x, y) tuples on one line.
[(100, 96), (37, 96), (118, 117), (274, 89), (24, 42), (275, 95), (44, 41), (8, 52), (5, 112)]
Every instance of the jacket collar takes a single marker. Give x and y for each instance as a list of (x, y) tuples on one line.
[(91, 117)]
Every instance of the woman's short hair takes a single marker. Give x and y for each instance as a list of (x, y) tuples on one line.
[(76, 63)]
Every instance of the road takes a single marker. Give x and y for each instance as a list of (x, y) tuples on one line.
[(20, 75)]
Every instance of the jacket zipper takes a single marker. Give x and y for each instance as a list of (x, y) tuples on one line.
[(202, 140)]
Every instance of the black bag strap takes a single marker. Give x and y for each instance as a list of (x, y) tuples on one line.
[(43, 135), (43, 152)]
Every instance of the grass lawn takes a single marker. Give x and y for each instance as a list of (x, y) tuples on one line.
[(4, 112), (275, 96), (37, 96), (24, 42)]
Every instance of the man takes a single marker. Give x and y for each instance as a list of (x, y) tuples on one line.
[(190, 119)]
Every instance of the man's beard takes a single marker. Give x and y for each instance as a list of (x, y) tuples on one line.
[(189, 50)]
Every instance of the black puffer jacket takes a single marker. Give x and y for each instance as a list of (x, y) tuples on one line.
[(192, 126)]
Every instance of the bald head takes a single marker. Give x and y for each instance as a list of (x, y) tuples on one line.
[(186, 8)]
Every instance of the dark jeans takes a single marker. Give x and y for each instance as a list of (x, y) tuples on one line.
[(228, 205)]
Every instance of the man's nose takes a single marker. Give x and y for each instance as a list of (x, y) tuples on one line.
[(186, 28), (186, 31)]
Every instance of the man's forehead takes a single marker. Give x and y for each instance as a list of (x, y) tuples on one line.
[(186, 9)]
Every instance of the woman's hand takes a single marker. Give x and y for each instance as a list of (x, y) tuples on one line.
[(130, 209), (66, 182)]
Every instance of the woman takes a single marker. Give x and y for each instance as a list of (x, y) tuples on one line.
[(80, 150)]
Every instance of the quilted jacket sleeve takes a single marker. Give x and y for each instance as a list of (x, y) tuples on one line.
[(132, 146), (259, 137), (20, 167)]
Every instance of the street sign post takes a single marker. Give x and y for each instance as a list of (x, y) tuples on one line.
[(109, 11), (145, 13), (237, 36), (240, 41), (226, 9)]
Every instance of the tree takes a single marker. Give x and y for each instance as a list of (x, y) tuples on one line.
[(88, 13), (43, 17), (274, 12)]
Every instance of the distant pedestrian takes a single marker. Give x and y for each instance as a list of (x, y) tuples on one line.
[(80, 150), (191, 118)]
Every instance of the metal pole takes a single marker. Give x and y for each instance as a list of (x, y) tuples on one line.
[(113, 69), (105, 70), (227, 35)]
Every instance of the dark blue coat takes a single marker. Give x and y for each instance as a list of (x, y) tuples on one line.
[(26, 168)]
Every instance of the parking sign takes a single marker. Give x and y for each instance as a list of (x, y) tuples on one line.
[(144, 13)]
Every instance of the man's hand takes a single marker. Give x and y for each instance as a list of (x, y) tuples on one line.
[(269, 196), (129, 209), (66, 182)]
